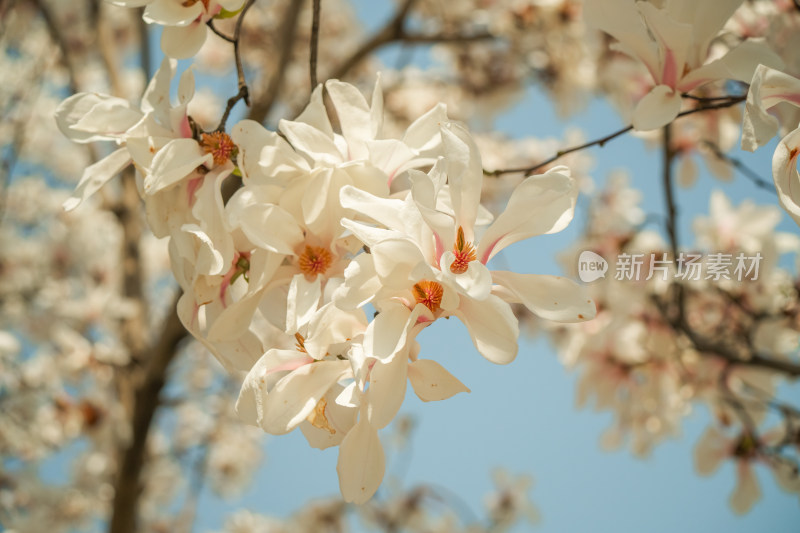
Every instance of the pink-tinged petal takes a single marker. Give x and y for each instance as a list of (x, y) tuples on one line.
[(706, 20), (97, 175), (747, 491), (387, 389), (172, 12), (674, 40), (176, 160), (738, 64), (388, 155), (183, 42), (354, 117), (338, 418), (432, 382), (361, 463), (424, 135), (549, 297), (785, 176), (297, 394), (539, 205), (768, 88), (492, 326), (710, 451), (658, 108), (464, 175), (255, 388)]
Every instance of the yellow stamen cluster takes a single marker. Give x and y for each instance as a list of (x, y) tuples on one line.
[(429, 294), (314, 260), (464, 252), (220, 145)]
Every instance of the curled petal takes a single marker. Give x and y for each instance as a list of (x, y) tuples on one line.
[(432, 382)]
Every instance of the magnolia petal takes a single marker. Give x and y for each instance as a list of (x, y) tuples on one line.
[(747, 491), (464, 175), (361, 463), (315, 113), (710, 450), (354, 117), (97, 175), (388, 155), (338, 418), (250, 404), (312, 142), (658, 108), (785, 175), (301, 302), (738, 64), (476, 282), (395, 259), (331, 325), (768, 88), (387, 389), (175, 161), (432, 382), (550, 297), (183, 42), (297, 394), (389, 212), (361, 283), (386, 335), (170, 13), (424, 134), (267, 226), (492, 326), (539, 205), (706, 20), (88, 117), (675, 39)]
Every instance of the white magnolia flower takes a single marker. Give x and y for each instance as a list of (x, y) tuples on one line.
[(184, 21), (673, 43), (770, 87)]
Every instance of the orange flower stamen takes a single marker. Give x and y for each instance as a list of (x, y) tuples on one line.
[(314, 260), (220, 145), (429, 294), (464, 252)]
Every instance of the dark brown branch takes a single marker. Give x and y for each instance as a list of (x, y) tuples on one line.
[(603, 140), (243, 92), (669, 191), (128, 485), (746, 171), (263, 104), (213, 28), (395, 31), (314, 45)]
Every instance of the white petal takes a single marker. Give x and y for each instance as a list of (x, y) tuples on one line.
[(710, 450), (361, 463), (183, 42), (432, 382), (464, 175), (476, 282), (354, 117), (550, 297), (738, 64), (297, 394), (747, 491), (658, 108), (172, 12), (492, 326), (301, 302), (768, 88), (319, 147), (97, 175), (175, 161), (784, 173), (539, 205), (87, 117), (387, 389), (424, 134)]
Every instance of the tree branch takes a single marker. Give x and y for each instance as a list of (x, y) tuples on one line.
[(314, 45), (603, 140), (243, 93), (746, 171)]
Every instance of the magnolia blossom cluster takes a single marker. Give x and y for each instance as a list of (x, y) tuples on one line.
[(323, 226), (636, 361)]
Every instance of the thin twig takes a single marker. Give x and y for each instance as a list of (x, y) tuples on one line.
[(669, 193), (746, 171), (213, 28), (603, 140), (314, 45), (243, 92)]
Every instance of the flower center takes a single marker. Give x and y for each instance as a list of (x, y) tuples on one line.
[(314, 260), (464, 252), (429, 294), (220, 145)]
